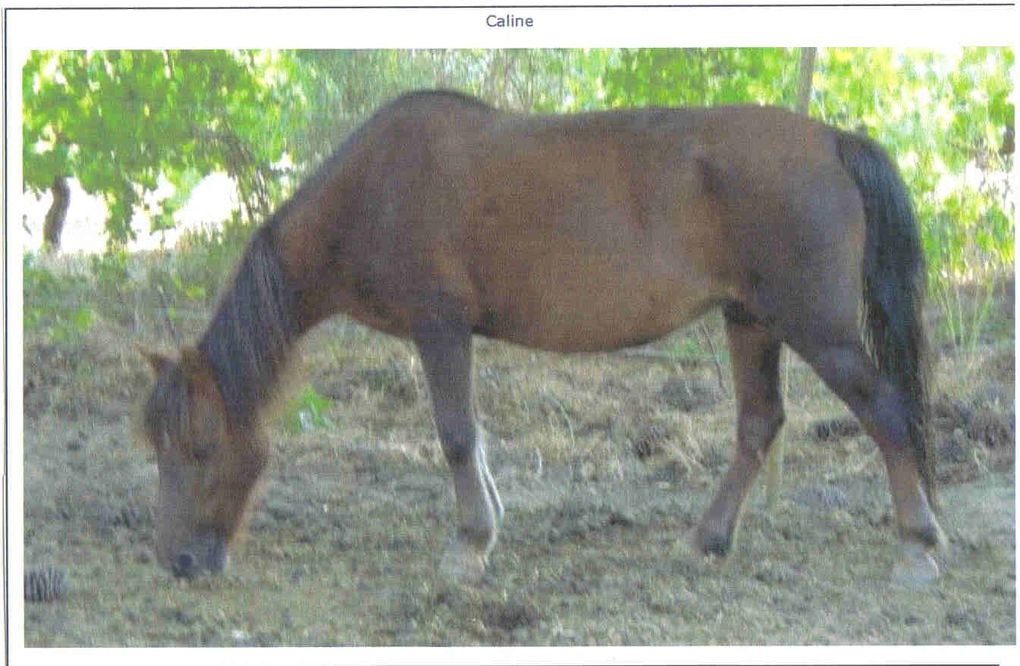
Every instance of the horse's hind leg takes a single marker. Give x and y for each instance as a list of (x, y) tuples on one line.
[(445, 350), (755, 357), (879, 405)]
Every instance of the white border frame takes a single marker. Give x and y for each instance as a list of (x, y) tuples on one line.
[(123, 26)]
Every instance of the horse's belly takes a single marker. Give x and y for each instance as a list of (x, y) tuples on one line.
[(589, 256), (591, 304), (583, 335)]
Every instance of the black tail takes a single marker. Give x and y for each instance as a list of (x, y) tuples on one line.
[(894, 288)]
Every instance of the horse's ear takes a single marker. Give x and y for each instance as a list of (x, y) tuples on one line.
[(157, 361)]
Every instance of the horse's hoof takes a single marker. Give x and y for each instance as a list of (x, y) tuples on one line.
[(463, 563), (708, 544), (916, 567)]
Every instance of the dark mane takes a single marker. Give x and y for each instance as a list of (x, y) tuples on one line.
[(248, 338), (255, 325)]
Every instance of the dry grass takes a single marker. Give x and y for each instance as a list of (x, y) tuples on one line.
[(604, 461)]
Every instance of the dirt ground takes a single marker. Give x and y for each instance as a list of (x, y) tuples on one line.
[(603, 461)]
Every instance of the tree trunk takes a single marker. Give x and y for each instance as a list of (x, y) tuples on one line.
[(53, 227), (807, 70)]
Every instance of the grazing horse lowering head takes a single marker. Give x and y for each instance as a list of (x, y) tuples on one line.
[(208, 467), (442, 218)]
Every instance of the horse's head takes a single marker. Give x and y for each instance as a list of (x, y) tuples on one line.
[(208, 466)]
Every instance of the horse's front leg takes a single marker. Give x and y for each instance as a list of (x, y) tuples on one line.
[(755, 356), (445, 350)]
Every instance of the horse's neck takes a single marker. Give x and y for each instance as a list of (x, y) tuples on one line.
[(250, 336)]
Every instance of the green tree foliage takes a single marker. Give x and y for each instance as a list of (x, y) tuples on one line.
[(948, 119), (946, 116), (119, 121), (337, 90), (702, 77)]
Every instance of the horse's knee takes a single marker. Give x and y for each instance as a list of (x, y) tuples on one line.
[(848, 371), (756, 429), (838, 363)]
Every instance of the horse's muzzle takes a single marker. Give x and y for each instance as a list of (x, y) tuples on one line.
[(204, 555)]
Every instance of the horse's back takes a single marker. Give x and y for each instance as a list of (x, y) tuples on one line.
[(607, 229), (578, 232)]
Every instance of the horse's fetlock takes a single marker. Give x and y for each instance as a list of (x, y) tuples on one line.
[(458, 447), (929, 534)]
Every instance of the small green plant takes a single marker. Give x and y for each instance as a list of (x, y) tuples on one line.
[(48, 304), (965, 311), (192, 292), (39, 285), (687, 347), (969, 248), (71, 327), (308, 412), (110, 269)]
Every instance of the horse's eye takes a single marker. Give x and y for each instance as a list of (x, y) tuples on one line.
[(201, 452)]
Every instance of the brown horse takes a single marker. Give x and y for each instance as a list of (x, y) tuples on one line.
[(443, 218)]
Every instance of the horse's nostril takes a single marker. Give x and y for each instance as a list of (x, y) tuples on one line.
[(184, 565)]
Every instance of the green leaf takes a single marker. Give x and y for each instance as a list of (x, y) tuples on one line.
[(308, 411)]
